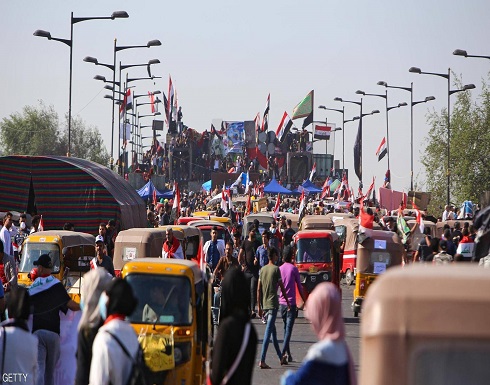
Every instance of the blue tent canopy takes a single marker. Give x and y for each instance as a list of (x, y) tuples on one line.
[(146, 192), (309, 188), (275, 188)]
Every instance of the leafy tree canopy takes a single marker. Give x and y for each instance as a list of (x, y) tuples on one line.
[(469, 164), (36, 131)]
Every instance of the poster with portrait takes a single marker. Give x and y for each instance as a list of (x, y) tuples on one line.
[(234, 140)]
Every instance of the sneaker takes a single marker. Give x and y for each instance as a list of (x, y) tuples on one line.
[(264, 320), (290, 358)]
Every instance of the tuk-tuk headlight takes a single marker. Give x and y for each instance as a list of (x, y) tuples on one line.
[(325, 276), (182, 352), (303, 278)]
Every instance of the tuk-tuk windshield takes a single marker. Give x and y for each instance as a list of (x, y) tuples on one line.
[(313, 250), (162, 299), (31, 251)]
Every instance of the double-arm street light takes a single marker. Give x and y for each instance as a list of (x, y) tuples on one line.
[(466, 87), (112, 67), (342, 111), (361, 115), (69, 43)]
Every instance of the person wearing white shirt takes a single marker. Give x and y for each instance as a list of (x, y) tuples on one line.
[(5, 234), (110, 364)]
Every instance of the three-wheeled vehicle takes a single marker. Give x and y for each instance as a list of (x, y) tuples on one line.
[(316, 222), (79, 250), (207, 225), (172, 318), (375, 254), (440, 225), (317, 258), (426, 325), (138, 243), (265, 220)]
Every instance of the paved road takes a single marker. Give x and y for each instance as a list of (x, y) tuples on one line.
[(303, 337)]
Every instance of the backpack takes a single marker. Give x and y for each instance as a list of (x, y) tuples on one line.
[(138, 367)]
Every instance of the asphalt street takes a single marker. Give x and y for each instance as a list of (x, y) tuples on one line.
[(303, 337)]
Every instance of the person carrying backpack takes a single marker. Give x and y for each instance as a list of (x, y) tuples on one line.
[(116, 353)]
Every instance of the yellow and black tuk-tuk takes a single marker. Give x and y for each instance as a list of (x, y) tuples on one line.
[(172, 318), (427, 324), (68, 268), (375, 254)]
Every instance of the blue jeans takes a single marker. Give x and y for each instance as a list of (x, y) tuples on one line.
[(270, 329), (216, 306), (47, 356), (288, 318)]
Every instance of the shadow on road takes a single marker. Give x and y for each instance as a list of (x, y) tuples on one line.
[(351, 320)]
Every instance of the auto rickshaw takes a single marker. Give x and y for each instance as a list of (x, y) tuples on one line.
[(138, 243), (376, 253), (317, 258), (206, 227), (79, 249), (191, 240), (172, 318), (451, 222), (316, 222), (265, 220), (427, 324)]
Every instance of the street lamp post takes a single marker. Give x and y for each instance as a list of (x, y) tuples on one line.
[(342, 111), (337, 99), (466, 87), (69, 43), (462, 52), (112, 67)]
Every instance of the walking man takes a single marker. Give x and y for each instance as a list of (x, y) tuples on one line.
[(291, 280), (268, 302)]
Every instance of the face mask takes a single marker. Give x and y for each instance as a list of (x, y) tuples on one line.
[(23, 225), (103, 305)]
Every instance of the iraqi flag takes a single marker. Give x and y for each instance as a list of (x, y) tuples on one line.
[(275, 214), (370, 189), (224, 199), (284, 127), (41, 224), (265, 119), (152, 102), (313, 172), (323, 131), (127, 103), (47, 293), (93, 263), (382, 149), (170, 101), (176, 206), (326, 188), (302, 206)]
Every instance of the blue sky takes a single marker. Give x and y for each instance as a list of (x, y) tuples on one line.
[(225, 57)]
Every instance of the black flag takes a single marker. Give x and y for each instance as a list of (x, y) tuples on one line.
[(358, 152), (308, 120)]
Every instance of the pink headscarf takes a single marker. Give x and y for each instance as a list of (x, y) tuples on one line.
[(323, 310)]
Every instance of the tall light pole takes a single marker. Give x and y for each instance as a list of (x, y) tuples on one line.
[(337, 99), (466, 87), (90, 59), (342, 111), (69, 43)]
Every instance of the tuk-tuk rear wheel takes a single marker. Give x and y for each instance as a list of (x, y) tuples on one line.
[(349, 277)]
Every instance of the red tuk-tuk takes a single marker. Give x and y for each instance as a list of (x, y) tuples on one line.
[(317, 258)]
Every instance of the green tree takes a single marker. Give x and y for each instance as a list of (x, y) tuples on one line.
[(36, 131), (469, 145)]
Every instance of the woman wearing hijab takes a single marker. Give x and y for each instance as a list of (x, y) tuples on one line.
[(328, 361), (94, 283), (233, 334)]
